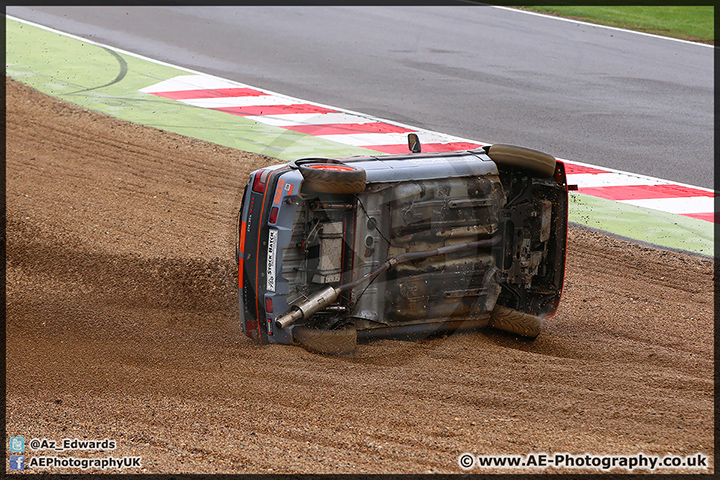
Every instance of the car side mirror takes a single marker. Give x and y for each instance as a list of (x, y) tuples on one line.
[(413, 143)]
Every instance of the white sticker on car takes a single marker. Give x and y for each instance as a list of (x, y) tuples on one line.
[(271, 258)]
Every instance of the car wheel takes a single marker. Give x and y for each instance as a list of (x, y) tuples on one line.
[(331, 342), (539, 163), (332, 178), (513, 321)]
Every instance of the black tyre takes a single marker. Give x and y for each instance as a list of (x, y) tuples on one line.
[(332, 178), (539, 163), (331, 342), (513, 321)]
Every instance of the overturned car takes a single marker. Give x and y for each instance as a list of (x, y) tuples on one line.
[(330, 250)]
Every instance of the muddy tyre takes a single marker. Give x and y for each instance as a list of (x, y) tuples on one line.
[(329, 342), (332, 178), (539, 163), (512, 321)]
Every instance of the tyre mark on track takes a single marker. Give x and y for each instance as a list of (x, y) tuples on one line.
[(120, 76)]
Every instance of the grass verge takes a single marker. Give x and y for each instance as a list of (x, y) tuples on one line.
[(693, 23)]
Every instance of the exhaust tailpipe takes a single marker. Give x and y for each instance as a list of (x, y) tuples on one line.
[(315, 302)]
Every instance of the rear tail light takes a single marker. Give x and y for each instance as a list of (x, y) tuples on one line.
[(273, 215), (268, 305), (260, 181)]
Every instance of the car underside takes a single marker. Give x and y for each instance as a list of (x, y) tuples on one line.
[(330, 250)]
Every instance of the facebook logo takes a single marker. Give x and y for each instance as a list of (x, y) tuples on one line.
[(17, 444), (17, 462)]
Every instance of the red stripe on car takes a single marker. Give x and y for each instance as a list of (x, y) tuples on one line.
[(241, 253), (257, 256)]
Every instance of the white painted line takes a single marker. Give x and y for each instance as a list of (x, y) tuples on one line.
[(365, 139), (191, 82), (682, 205), (587, 180), (369, 139), (296, 119), (658, 181), (229, 102)]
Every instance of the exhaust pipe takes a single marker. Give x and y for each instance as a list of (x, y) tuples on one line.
[(315, 302)]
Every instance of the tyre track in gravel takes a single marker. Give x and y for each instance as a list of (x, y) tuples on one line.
[(133, 335)]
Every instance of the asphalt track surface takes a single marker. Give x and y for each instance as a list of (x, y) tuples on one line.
[(602, 96)]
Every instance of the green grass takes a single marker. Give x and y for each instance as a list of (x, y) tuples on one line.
[(696, 23)]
